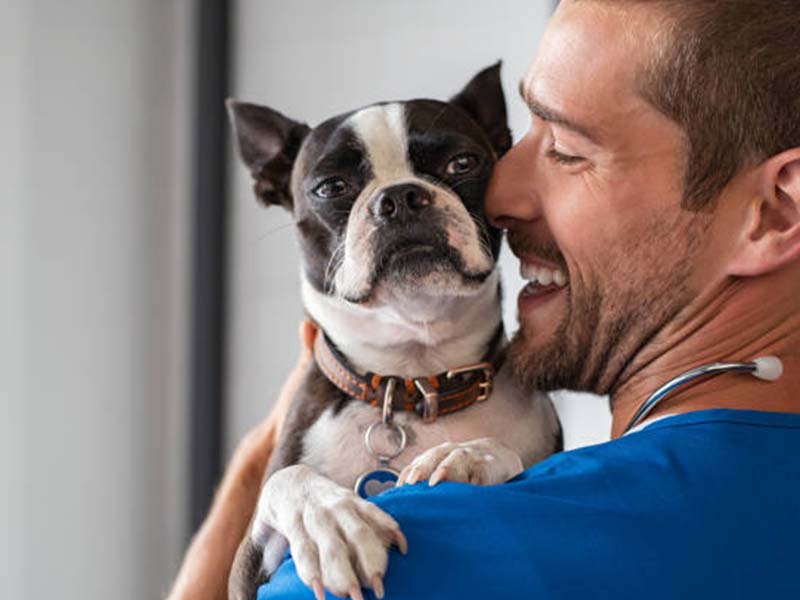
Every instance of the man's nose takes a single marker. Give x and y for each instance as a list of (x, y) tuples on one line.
[(513, 192)]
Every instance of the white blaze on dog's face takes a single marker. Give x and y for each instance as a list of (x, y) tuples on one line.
[(388, 199), (408, 229)]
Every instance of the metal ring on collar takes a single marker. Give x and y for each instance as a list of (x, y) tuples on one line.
[(385, 457)]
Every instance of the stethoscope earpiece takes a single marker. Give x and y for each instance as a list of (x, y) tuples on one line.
[(768, 368)]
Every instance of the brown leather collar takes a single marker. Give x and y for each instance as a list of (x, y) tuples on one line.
[(429, 396)]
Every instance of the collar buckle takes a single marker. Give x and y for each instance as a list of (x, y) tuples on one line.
[(488, 377), (387, 410), (430, 400)]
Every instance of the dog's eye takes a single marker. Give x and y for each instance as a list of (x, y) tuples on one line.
[(462, 164), (332, 188)]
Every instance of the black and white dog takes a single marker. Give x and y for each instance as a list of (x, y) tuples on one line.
[(400, 274)]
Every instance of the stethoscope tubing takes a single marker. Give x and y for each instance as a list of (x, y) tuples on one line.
[(665, 390)]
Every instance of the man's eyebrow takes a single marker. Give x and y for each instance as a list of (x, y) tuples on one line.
[(553, 116)]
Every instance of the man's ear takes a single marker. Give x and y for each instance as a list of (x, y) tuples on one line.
[(268, 144), (771, 237), (484, 101)]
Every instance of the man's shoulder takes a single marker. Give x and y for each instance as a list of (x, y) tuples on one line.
[(653, 503), (671, 451)]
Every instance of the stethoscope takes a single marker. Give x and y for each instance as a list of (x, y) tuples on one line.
[(768, 368)]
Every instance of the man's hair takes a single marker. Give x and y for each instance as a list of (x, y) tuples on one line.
[(728, 72)]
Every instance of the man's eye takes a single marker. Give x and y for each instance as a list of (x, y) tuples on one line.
[(462, 164), (332, 188), (564, 159)]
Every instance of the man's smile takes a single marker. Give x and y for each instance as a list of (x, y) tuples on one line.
[(545, 283)]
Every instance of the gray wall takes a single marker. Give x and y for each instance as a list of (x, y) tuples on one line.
[(93, 251), (313, 59)]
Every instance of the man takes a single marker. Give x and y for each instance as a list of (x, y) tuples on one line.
[(662, 172)]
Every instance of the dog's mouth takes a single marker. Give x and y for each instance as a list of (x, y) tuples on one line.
[(412, 255), (433, 257), (415, 255), (421, 262)]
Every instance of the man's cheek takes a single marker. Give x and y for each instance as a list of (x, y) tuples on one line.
[(581, 201), (582, 234)]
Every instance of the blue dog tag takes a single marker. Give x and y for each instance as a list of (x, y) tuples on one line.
[(374, 482)]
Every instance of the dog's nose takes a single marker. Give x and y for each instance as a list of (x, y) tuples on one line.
[(400, 203)]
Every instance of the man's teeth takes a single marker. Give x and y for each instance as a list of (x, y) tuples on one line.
[(543, 275)]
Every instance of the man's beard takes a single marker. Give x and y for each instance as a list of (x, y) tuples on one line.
[(604, 327), (559, 364)]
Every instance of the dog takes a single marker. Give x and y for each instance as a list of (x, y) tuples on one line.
[(399, 272)]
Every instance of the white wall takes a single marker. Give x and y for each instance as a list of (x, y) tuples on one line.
[(12, 478), (94, 261), (311, 60)]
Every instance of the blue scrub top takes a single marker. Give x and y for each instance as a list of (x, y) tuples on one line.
[(702, 505)]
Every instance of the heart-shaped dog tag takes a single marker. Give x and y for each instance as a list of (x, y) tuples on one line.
[(374, 482)]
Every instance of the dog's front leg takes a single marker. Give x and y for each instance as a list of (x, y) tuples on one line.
[(338, 540), (485, 461)]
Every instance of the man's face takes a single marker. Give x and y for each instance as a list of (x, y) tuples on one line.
[(594, 190)]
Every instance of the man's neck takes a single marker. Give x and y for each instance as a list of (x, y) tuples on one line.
[(738, 321)]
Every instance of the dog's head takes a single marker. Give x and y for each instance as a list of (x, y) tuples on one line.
[(390, 196)]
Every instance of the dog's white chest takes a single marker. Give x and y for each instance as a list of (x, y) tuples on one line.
[(334, 445)]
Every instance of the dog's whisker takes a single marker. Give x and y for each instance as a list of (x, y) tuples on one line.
[(483, 235), (436, 118), (270, 232), (463, 181), (333, 265)]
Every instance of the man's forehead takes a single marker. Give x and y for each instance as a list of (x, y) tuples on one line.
[(588, 61)]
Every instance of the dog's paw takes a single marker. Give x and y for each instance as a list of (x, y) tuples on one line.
[(338, 540), (483, 462)]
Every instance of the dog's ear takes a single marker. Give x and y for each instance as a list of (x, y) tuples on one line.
[(484, 101), (268, 144)]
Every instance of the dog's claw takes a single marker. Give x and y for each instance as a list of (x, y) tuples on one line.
[(401, 541), (404, 475), (439, 474), (355, 593), (413, 476), (377, 586), (319, 592)]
